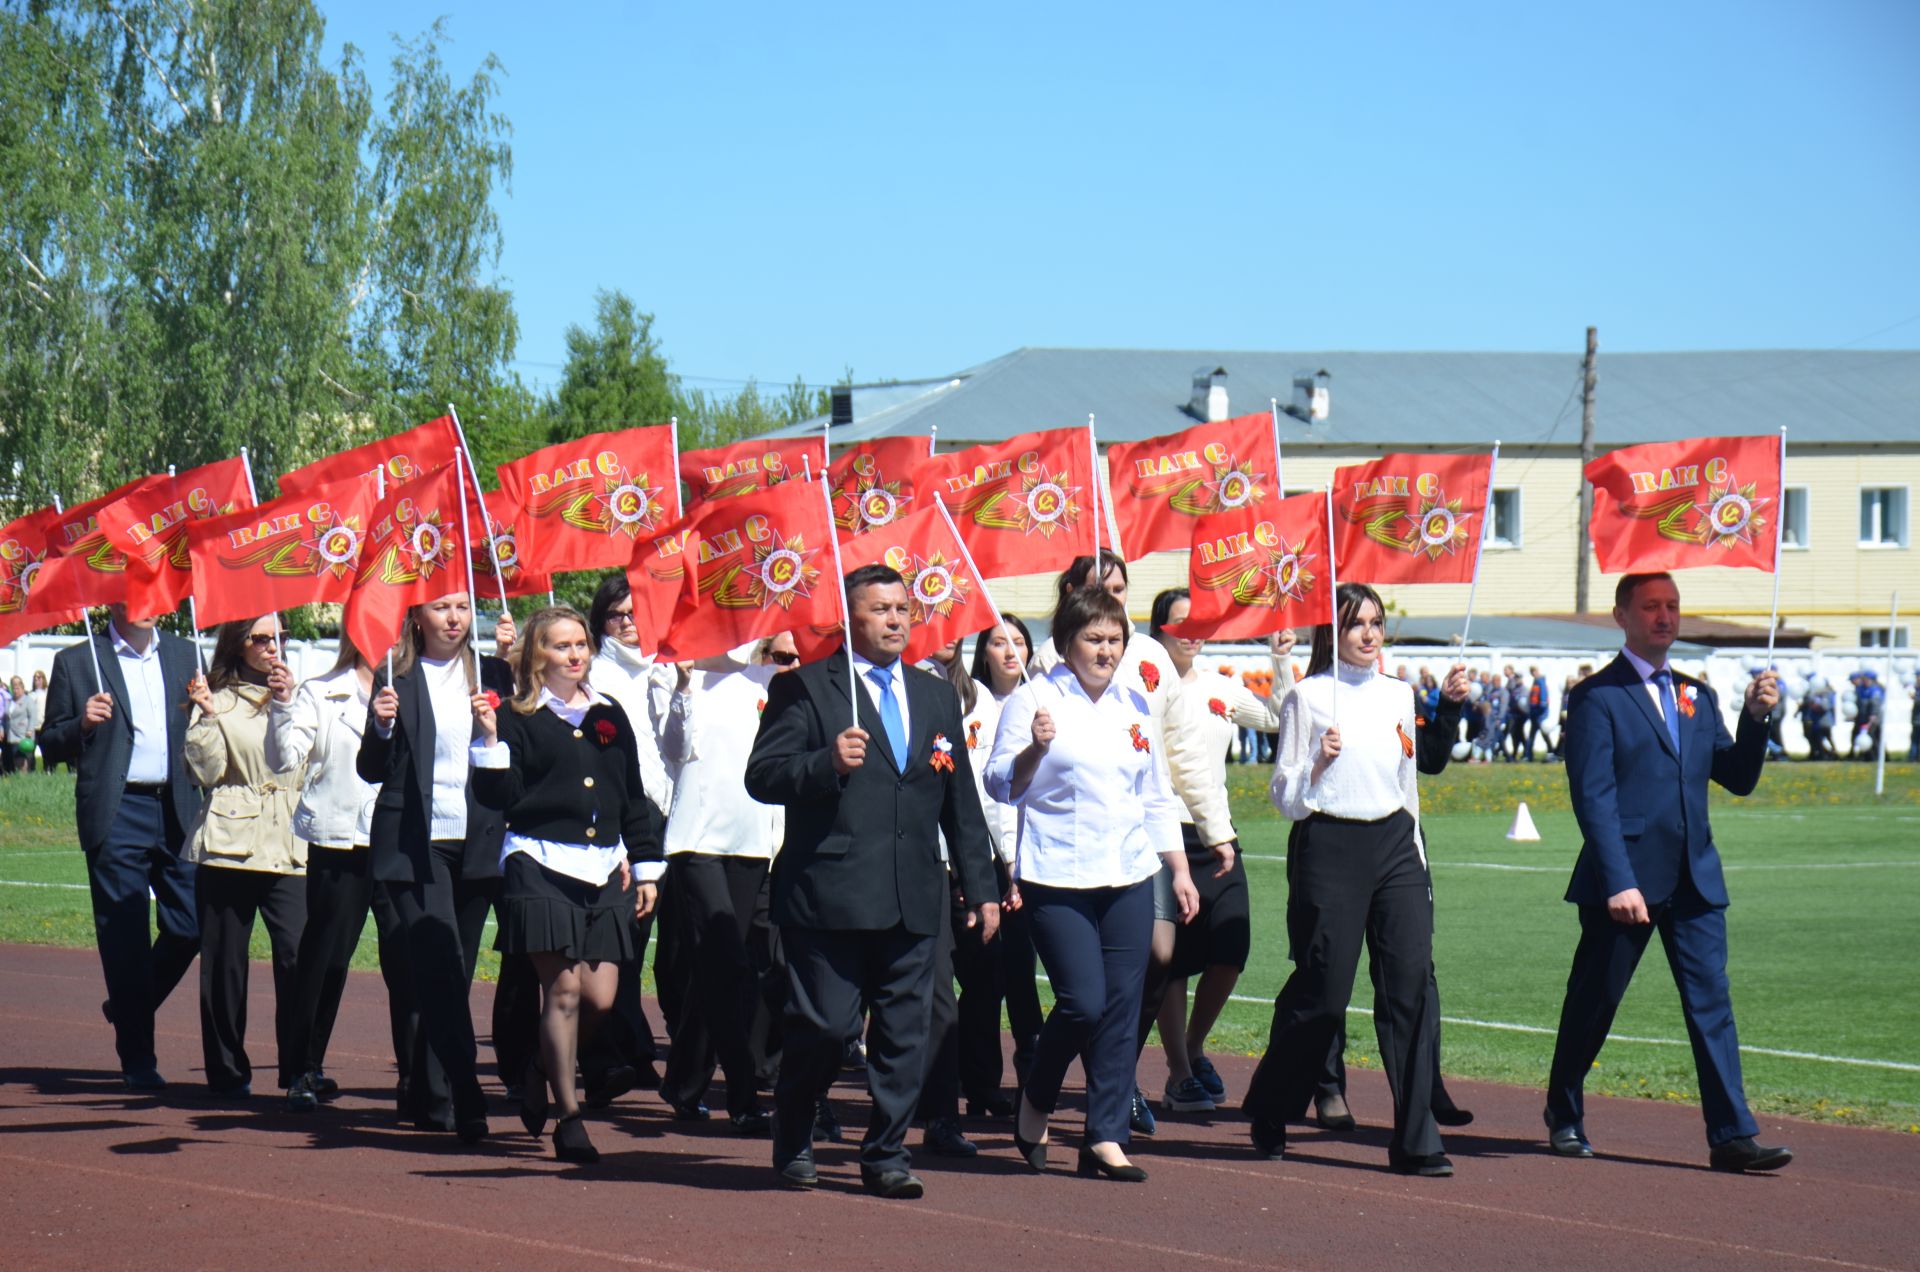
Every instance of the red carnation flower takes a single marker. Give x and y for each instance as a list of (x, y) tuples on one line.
[(1149, 676), (493, 699), (605, 731), (1218, 707)]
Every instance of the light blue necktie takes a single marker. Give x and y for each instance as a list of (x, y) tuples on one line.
[(882, 678), (1668, 706)]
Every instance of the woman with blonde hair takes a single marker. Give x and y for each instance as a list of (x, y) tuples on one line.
[(562, 764), (251, 861)]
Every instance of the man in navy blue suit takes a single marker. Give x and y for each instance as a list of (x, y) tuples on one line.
[(1642, 742)]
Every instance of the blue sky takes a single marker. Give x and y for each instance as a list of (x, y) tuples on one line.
[(912, 189)]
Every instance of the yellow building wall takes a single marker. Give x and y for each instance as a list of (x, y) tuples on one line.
[(1833, 586)]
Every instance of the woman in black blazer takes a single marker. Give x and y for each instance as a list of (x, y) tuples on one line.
[(436, 849), (562, 763)]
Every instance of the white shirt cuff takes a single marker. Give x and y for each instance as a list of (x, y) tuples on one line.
[(496, 756), (648, 871)]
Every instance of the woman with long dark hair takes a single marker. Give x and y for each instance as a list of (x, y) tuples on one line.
[(317, 727), (560, 763), (251, 861), (1345, 774), (434, 846)]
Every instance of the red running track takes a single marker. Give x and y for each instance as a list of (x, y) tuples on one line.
[(96, 1178)]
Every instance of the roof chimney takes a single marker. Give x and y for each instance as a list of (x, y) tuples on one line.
[(842, 405), (1209, 403), (1312, 399)]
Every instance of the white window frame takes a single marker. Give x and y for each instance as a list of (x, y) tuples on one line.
[(1881, 545), (1806, 519), (1902, 637), (1487, 537)]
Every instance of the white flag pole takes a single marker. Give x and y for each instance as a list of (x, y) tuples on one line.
[(1096, 577), (86, 622), (193, 605), (933, 439), (1279, 486), (673, 435), (486, 519), (1779, 537), (466, 550), (966, 553), (253, 496), (1880, 759), (1479, 549), (380, 496), (846, 610), (1333, 602)]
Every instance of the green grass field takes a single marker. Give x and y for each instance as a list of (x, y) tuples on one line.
[(1825, 882)]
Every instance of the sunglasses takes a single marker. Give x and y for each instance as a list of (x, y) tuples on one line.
[(782, 658), (621, 616), (262, 641)]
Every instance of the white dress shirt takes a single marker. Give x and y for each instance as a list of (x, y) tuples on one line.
[(589, 863), (321, 728), (982, 725), (1645, 671), (641, 685), (897, 690), (1201, 725), (708, 736), (1374, 775), (452, 732), (146, 708), (1098, 812)]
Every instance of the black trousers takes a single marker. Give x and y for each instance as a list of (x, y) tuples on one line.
[(142, 852), (229, 899), (710, 903), (831, 976), (983, 973), (442, 919), (1354, 882), (1095, 943), (1020, 967), (340, 893), (940, 1091)]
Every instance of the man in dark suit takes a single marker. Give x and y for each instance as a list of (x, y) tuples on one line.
[(133, 802), (1641, 744), (859, 890)]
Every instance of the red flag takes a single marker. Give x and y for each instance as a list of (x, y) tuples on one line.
[(23, 549), (84, 568), (1023, 505), (412, 557), (1676, 505), (654, 576), (1411, 518), (295, 550), (150, 527), (873, 483), (505, 556), (405, 456), (759, 463), (585, 503), (1162, 485), (946, 600), (756, 565), (1258, 570)]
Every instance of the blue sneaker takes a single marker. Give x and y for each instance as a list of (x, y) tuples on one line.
[(1142, 1119), (1187, 1096), (1209, 1077)]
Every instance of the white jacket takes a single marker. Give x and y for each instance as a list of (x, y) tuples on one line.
[(321, 728), (644, 688), (1201, 725)]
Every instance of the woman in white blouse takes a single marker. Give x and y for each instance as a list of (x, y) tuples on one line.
[(1097, 822), (319, 726), (1346, 772)]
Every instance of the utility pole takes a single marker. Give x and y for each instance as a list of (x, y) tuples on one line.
[(1586, 487)]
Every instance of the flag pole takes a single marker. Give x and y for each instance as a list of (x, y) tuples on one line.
[(1096, 577), (253, 495), (380, 495), (1279, 486), (466, 550), (673, 439), (1479, 549), (1333, 614), (966, 553), (486, 519), (933, 439), (193, 605), (846, 610), (1880, 759), (86, 621), (1779, 537)]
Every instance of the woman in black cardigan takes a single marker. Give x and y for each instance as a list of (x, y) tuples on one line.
[(562, 763), (436, 849)]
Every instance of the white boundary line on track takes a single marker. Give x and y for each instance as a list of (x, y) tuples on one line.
[(1522, 869)]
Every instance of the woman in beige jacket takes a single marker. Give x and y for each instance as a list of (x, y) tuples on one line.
[(250, 861)]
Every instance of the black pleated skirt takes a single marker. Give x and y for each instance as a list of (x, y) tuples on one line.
[(544, 912)]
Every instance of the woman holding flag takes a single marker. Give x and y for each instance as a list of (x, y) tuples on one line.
[(436, 849), (1346, 774), (561, 764)]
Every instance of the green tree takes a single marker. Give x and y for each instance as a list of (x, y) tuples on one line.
[(615, 375)]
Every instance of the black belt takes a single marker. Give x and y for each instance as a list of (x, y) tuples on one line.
[(146, 788)]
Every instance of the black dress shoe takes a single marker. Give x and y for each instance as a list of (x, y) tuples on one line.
[(991, 1106), (1567, 1141), (894, 1185), (798, 1171), (756, 1122), (300, 1096), (1034, 1153), (689, 1112), (1452, 1115), (230, 1091), (472, 1128), (570, 1142), (1269, 1139), (945, 1138), (1743, 1154), (1092, 1165), (324, 1087), (143, 1080), (1140, 1117), (1331, 1112), (825, 1125), (1431, 1165), (610, 1086)]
